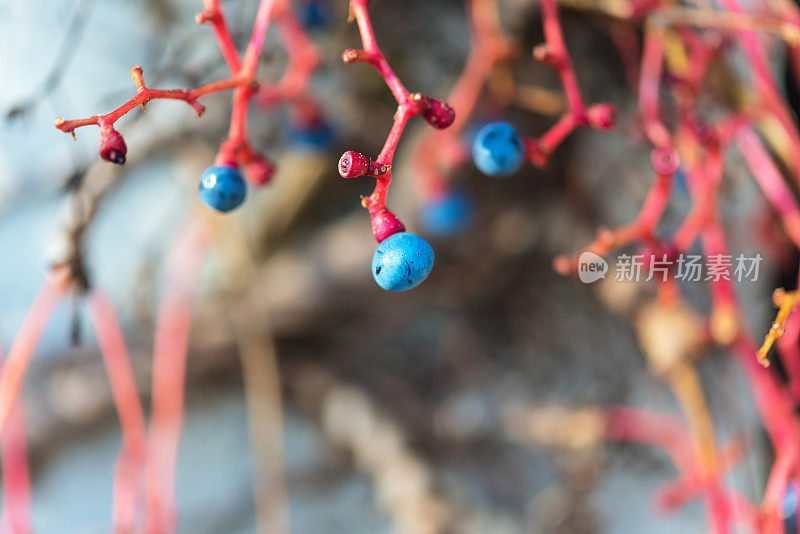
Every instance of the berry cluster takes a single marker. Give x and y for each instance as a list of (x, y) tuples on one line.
[(499, 150), (402, 263), (222, 187), (692, 154), (447, 210), (690, 140)]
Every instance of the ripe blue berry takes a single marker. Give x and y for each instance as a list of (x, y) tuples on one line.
[(402, 262), (789, 509), (317, 135), (222, 188), (446, 215), (498, 150), (680, 181), (314, 13)]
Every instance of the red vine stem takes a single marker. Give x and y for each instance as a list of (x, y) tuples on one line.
[(771, 181), (145, 94), (236, 149), (438, 114), (372, 55), (625, 423), (773, 401), (668, 433), (128, 476), (765, 84), (554, 37), (303, 61), (554, 53), (642, 229), (184, 265), (16, 513), (649, 84), (214, 15), (24, 346), (776, 409), (438, 152), (237, 135)]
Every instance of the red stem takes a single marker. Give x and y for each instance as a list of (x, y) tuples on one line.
[(144, 94), (216, 17), (439, 151), (21, 353), (128, 476), (771, 181), (169, 367), (649, 86), (555, 53), (563, 62), (16, 513), (408, 105)]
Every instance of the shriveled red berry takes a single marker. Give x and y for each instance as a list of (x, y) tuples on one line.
[(112, 145), (385, 224), (259, 170), (664, 160), (602, 116), (353, 164), (438, 114), (544, 55)]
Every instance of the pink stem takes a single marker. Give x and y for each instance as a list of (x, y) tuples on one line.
[(376, 202), (770, 180), (252, 54), (25, 344), (216, 17), (665, 431), (16, 513), (377, 59), (649, 86), (169, 368), (127, 478), (563, 62), (789, 351), (554, 52)]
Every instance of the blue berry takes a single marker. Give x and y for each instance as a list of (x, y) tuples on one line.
[(222, 188), (498, 150), (789, 511), (446, 215), (402, 262), (471, 131), (680, 181), (314, 13), (316, 136)]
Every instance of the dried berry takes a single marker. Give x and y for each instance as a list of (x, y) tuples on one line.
[(112, 146), (385, 224), (353, 164)]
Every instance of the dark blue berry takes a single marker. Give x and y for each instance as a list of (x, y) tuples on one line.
[(447, 214), (498, 150), (789, 508), (680, 181), (402, 262), (222, 188), (317, 135), (471, 131), (314, 13)]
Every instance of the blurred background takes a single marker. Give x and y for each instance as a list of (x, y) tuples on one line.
[(315, 401)]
